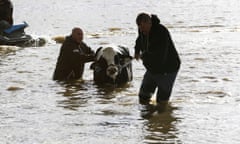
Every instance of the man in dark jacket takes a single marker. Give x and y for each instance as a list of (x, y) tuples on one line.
[(73, 55), (6, 11), (158, 53)]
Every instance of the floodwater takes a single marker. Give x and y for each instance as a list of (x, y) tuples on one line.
[(205, 103)]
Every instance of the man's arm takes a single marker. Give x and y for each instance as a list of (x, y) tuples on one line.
[(137, 48)]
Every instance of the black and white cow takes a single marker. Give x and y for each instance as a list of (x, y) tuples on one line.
[(112, 65)]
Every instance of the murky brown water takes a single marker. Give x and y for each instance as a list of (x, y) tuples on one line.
[(205, 102)]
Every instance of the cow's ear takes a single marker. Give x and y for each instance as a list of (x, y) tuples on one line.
[(128, 59), (131, 57), (98, 50)]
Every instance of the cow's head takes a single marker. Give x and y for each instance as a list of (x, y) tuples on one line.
[(110, 61)]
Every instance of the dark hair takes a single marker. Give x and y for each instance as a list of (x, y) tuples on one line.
[(143, 17)]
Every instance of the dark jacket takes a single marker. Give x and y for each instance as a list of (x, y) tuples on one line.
[(6, 11), (158, 52), (71, 60)]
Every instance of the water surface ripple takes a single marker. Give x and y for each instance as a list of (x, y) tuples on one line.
[(205, 103)]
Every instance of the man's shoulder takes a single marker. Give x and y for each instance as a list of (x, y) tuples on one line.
[(68, 38), (161, 29), (84, 45), (69, 43)]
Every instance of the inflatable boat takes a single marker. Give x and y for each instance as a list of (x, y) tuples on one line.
[(13, 35)]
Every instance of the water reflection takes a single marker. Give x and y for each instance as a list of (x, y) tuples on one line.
[(74, 94), (108, 91), (84, 93), (161, 128)]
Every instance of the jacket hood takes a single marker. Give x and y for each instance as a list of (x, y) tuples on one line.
[(70, 39), (155, 19)]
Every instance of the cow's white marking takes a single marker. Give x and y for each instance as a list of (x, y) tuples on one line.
[(108, 53)]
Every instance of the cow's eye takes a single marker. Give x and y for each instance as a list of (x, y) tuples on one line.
[(121, 61)]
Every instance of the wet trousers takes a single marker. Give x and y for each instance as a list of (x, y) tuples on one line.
[(162, 82)]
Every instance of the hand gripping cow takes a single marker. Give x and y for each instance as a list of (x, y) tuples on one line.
[(112, 65)]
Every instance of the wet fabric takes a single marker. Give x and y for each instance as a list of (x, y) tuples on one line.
[(162, 82), (157, 50), (71, 60)]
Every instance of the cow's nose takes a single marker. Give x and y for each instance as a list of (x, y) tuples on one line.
[(112, 70)]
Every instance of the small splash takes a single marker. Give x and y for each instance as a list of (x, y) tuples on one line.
[(39, 42), (35, 42)]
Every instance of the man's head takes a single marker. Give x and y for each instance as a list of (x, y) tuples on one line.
[(77, 34), (144, 23)]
